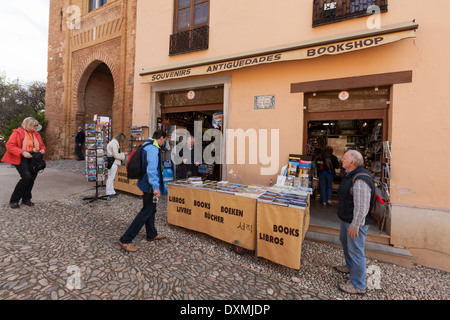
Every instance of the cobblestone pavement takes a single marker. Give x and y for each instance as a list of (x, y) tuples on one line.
[(46, 248)]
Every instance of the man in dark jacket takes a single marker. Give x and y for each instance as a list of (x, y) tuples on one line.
[(354, 205), (79, 142)]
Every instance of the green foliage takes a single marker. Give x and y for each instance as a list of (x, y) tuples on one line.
[(10, 125), (19, 101)]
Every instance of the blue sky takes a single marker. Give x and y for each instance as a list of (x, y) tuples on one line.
[(24, 39)]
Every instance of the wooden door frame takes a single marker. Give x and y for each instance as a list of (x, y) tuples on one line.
[(192, 84)]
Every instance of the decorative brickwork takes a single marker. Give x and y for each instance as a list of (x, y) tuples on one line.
[(90, 70)]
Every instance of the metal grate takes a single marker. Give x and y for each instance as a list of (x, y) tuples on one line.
[(330, 11), (189, 41)]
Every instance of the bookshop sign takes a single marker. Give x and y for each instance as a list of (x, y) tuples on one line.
[(313, 50)]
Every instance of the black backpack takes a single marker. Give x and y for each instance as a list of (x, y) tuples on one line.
[(135, 168), (380, 208)]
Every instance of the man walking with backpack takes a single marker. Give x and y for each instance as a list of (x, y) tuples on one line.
[(151, 185), (354, 204)]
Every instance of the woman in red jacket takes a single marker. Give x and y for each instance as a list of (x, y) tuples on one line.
[(22, 143)]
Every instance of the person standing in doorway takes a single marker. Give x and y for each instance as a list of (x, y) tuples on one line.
[(316, 156), (79, 142), (21, 145), (151, 185), (354, 204), (187, 168), (326, 176), (113, 150)]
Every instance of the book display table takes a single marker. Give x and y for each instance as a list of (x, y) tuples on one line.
[(273, 224)]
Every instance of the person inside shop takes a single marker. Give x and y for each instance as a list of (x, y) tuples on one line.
[(354, 204), (326, 175), (151, 184), (188, 167), (316, 156), (113, 150), (79, 142), (317, 153), (21, 145)]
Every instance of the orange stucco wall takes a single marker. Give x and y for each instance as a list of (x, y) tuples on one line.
[(419, 112)]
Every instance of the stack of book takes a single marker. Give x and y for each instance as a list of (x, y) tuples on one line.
[(285, 199)]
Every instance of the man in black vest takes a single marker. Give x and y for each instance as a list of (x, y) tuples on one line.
[(354, 205)]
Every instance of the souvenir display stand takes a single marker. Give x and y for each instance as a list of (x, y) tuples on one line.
[(97, 138)]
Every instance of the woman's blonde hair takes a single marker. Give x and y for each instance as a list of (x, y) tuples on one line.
[(30, 123)]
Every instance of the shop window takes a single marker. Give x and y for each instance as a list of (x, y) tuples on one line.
[(331, 11), (191, 26), (95, 4)]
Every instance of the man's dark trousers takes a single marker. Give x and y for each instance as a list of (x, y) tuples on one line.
[(145, 217), (79, 152)]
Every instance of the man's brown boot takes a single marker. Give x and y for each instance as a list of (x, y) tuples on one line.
[(130, 247)]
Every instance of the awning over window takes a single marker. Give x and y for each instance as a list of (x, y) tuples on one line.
[(305, 50)]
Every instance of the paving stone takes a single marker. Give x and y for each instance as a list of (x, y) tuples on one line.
[(41, 244)]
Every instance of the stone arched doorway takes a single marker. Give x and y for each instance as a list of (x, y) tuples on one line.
[(95, 94)]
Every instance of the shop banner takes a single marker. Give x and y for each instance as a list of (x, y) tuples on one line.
[(281, 231), (223, 216), (291, 55)]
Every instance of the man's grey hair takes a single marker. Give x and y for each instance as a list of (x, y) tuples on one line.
[(356, 157)]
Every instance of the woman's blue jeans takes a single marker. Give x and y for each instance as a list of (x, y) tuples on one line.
[(326, 185), (355, 258)]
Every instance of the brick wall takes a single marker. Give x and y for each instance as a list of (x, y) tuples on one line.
[(55, 79), (99, 93), (76, 89)]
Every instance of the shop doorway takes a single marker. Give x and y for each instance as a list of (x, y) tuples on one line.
[(347, 126), (364, 135), (188, 120), (194, 112)]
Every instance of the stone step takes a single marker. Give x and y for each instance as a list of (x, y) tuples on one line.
[(373, 235), (377, 251)]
